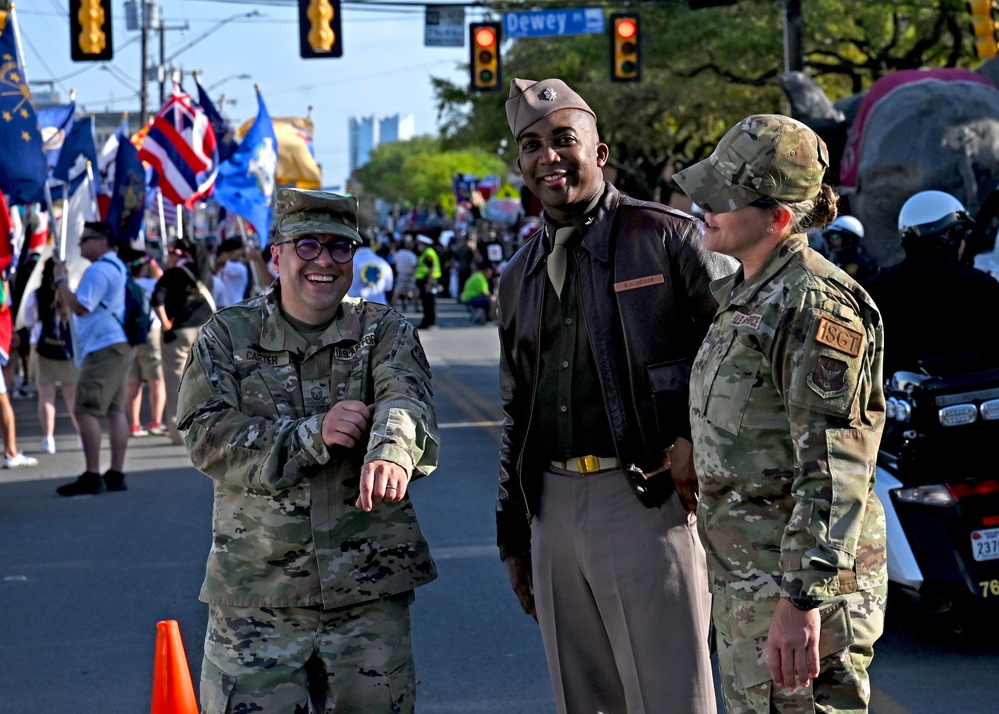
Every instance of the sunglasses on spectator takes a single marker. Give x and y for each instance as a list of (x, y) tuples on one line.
[(309, 248)]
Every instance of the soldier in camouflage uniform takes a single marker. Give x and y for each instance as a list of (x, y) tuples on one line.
[(787, 409), (311, 411)]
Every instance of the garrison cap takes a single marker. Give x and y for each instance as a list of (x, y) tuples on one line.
[(532, 101), (763, 156), (300, 212)]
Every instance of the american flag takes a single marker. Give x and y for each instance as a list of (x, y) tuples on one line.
[(181, 148)]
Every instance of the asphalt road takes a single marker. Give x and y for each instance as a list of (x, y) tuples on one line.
[(83, 581)]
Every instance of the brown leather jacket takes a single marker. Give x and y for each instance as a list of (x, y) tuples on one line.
[(651, 259)]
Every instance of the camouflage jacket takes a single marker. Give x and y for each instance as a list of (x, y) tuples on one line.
[(787, 409), (252, 399)]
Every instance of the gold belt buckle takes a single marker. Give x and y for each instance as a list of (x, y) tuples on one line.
[(588, 464)]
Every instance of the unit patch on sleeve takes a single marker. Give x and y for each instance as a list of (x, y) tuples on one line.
[(828, 379)]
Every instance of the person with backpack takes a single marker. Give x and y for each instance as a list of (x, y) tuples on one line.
[(48, 318), (148, 366), (182, 299), (103, 354)]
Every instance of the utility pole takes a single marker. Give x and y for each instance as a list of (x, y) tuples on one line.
[(143, 15), (163, 68), (144, 76)]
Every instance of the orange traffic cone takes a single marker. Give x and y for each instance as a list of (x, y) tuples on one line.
[(173, 692)]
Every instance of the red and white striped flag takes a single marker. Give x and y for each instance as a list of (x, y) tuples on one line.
[(181, 147)]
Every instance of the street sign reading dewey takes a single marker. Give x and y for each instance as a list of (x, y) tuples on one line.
[(445, 26), (546, 23)]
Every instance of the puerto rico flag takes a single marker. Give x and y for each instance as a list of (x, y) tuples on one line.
[(180, 146)]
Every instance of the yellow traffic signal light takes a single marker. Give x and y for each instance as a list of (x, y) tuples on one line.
[(485, 56), (90, 30), (319, 29), (983, 27), (625, 64)]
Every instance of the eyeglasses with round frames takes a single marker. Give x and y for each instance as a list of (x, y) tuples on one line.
[(308, 248)]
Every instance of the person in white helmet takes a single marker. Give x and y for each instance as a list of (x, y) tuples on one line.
[(932, 302), (844, 239)]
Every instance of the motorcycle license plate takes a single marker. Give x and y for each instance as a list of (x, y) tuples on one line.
[(985, 544)]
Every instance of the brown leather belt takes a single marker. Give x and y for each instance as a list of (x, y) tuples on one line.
[(588, 464)]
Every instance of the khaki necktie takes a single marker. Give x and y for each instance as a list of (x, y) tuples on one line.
[(557, 258)]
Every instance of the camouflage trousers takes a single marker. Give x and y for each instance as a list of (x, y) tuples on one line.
[(297, 660), (850, 626)]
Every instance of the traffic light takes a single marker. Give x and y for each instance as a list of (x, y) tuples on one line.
[(485, 56), (625, 59), (319, 29), (90, 30), (983, 27)]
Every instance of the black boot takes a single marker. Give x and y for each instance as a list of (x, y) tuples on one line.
[(88, 484), (115, 480)]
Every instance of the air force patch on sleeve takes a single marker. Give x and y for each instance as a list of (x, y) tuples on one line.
[(828, 379)]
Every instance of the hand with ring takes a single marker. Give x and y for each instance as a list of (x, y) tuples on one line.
[(382, 482)]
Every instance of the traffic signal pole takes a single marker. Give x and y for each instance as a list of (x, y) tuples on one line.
[(793, 52)]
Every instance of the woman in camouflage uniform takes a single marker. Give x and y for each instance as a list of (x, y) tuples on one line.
[(787, 410)]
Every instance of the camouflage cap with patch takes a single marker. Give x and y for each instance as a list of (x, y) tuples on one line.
[(532, 101), (300, 212), (763, 156)]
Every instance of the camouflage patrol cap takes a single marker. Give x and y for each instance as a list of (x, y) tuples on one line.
[(300, 212), (763, 156), (532, 101)]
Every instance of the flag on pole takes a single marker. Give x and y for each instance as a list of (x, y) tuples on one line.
[(181, 147), (77, 150), (23, 169), (296, 158), (128, 196), (105, 165), (6, 242), (246, 181), (224, 135), (39, 228), (55, 123), (79, 210)]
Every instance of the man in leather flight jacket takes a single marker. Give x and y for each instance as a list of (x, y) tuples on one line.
[(602, 362)]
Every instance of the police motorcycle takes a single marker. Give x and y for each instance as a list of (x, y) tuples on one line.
[(939, 484)]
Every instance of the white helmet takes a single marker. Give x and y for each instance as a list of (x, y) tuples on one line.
[(929, 214), (846, 224)]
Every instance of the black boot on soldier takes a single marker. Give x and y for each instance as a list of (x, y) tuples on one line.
[(88, 484)]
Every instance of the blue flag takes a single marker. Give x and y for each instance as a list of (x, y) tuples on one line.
[(22, 162), (225, 137), (128, 200), (55, 123), (245, 184), (77, 150)]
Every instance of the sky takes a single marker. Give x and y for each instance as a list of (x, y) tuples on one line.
[(385, 68)]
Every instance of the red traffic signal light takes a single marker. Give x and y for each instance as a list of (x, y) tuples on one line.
[(625, 64), (90, 30), (485, 59), (319, 29)]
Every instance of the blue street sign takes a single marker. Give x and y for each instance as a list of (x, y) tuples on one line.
[(546, 23)]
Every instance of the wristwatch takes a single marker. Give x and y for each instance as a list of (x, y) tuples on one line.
[(804, 602)]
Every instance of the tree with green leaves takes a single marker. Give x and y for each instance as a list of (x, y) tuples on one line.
[(418, 172), (703, 70)]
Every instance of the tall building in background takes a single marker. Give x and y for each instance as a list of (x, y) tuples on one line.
[(366, 133)]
